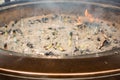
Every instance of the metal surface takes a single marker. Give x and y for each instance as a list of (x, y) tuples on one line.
[(98, 65), (36, 68)]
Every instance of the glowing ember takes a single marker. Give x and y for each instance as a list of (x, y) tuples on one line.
[(79, 21), (89, 16)]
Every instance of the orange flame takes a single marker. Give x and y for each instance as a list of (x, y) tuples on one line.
[(89, 16), (79, 21)]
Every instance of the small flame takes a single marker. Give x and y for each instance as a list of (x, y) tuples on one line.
[(79, 20), (89, 16)]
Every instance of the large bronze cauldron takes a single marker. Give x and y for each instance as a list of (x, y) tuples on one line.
[(18, 66)]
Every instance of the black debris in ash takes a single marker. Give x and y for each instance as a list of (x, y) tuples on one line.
[(106, 43), (76, 49), (49, 53), (19, 31), (30, 45), (38, 20), (45, 20), (5, 46), (98, 39), (81, 26), (1, 32)]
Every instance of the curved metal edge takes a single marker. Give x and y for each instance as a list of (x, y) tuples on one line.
[(88, 78), (115, 51), (54, 1), (60, 74), (52, 76)]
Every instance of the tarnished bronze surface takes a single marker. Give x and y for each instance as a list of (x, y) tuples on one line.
[(85, 67), (42, 67)]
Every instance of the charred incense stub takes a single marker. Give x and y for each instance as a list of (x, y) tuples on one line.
[(18, 31), (76, 49), (98, 39), (29, 45), (5, 46), (104, 43), (60, 35), (49, 53)]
